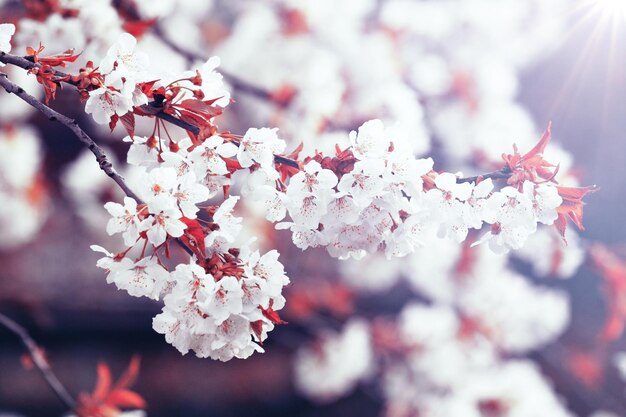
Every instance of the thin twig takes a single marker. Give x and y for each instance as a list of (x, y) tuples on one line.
[(501, 174), (150, 108), (26, 63), (236, 82), (71, 124), (40, 362)]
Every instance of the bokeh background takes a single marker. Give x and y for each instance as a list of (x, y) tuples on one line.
[(51, 286)]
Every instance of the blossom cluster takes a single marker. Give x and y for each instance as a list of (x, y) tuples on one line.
[(223, 301), (355, 193), (375, 196)]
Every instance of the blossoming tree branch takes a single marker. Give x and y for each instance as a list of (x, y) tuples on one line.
[(222, 296)]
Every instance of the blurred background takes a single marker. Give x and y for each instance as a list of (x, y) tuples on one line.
[(51, 286)]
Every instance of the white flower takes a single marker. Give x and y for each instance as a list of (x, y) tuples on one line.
[(164, 221), (158, 187), (273, 201), (227, 299), (144, 151), (511, 215), (473, 207), (189, 194), (213, 84), (233, 340), (145, 278), (370, 141), (313, 180), (124, 60), (364, 182), (104, 103), (208, 157), (229, 225), (270, 272), (178, 160), (446, 182), (125, 220), (259, 145), (192, 280), (546, 200), (112, 264), (7, 30)]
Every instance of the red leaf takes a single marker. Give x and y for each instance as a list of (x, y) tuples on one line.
[(103, 384), (531, 166), (272, 315), (59, 60), (540, 147), (199, 106), (105, 401), (138, 27), (295, 154), (128, 121), (194, 237), (125, 398), (129, 376), (257, 328), (572, 206), (113, 122)]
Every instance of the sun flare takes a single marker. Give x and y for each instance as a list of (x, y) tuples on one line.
[(612, 7)]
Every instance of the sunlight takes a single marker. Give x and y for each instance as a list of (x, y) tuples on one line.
[(612, 7)]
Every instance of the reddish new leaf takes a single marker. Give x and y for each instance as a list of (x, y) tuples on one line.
[(128, 121), (138, 27), (108, 400), (531, 166), (103, 384), (572, 206), (194, 237), (272, 315), (125, 398)]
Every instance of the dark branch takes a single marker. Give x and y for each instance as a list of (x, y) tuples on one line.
[(71, 124), (28, 64), (504, 173), (40, 362), (236, 82)]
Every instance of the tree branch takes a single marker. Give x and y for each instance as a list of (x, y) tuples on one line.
[(501, 174), (236, 82), (25, 63), (28, 64), (71, 124), (40, 362)]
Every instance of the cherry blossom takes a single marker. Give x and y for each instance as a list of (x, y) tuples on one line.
[(259, 146), (123, 60), (163, 221), (209, 157), (125, 220), (212, 82), (105, 102)]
